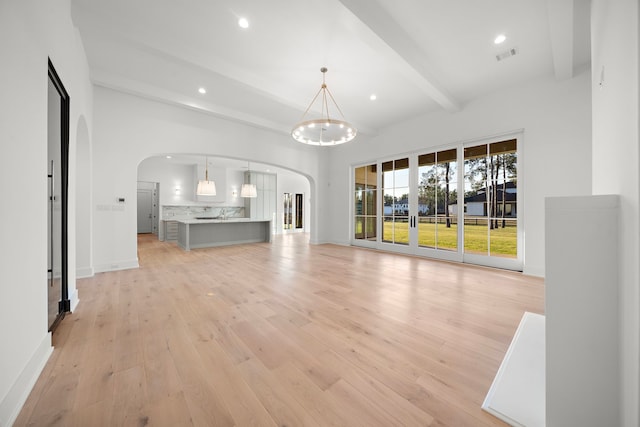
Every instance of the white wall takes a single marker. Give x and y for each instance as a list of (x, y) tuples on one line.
[(169, 176), (616, 166), (128, 129), (31, 31), (556, 149), (82, 195)]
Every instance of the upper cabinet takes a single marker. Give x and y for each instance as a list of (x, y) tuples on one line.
[(264, 205)]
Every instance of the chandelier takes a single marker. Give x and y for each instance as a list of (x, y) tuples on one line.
[(323, 130), (206, 187), (248, 189)]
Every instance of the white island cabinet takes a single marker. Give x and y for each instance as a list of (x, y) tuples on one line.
[(205, 233)]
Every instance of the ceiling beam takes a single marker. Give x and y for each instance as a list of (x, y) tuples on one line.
[(561, 30), (145, 90), (373, 16)]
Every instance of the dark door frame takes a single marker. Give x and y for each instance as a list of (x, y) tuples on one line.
[(65, 304)]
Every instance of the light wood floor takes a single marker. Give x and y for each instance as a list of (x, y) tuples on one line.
[(281, 334)]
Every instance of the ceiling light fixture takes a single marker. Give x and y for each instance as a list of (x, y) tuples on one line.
[(206, 187), (202, 90), (323, 130), (248, 190), (500, 39), (243, 23), (373, 97)]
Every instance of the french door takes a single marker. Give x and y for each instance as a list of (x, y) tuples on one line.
[(458, 204)]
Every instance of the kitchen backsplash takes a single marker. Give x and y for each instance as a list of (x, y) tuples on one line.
[(170, 212)]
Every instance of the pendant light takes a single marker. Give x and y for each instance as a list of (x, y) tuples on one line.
[(324, 130), (248, 190), (206, 187)]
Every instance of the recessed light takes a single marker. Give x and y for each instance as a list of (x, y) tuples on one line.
[(168, 157), (243, 23), (373, 97), (500, 39), (202, 90)]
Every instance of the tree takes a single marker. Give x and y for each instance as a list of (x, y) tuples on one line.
[(447, 179), (476, 172), (494, 161), (509, 165), (435, 191)]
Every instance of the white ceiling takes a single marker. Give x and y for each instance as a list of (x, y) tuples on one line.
[(417, 56)]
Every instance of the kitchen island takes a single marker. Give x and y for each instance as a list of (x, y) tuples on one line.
[(206, 233)]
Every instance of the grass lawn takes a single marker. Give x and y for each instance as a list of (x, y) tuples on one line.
[(503, 241)]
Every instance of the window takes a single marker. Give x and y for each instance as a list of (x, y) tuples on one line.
[(437, 200), (490, 198), (395, 186), (459, 203), (366, 201)]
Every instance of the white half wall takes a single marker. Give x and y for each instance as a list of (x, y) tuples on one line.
[(556, 150)]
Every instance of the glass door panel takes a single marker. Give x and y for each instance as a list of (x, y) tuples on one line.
[(426, 200), (490, 199), (476, 200), (503, 236), (287, 208), (396, 197), (437, 200), (299, 211), (365, 199)]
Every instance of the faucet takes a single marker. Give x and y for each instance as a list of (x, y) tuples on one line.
[(224, 213)]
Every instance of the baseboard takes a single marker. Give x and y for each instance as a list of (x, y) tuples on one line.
[(118, 265), (329, 242), (73, 300), (535, 272), (12, 403), (84, 272)]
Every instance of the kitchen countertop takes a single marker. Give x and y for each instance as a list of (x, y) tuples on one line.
[(218, 220)]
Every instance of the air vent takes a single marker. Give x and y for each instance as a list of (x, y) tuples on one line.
[(507, 54)]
